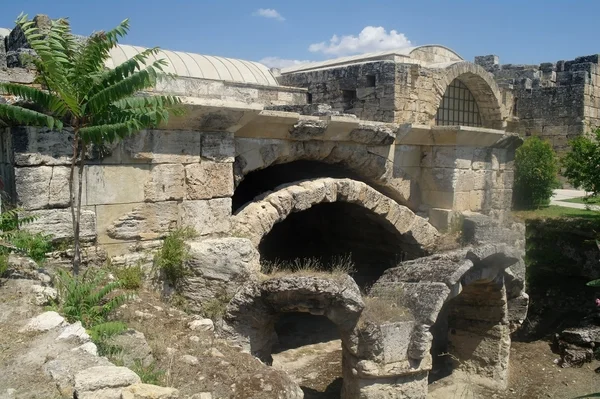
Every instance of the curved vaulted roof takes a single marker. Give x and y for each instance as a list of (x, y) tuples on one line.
[(427, 54), (201, 66), (4, 32)]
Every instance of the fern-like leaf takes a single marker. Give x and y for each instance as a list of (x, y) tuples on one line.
[(48, 101), (11, 114)]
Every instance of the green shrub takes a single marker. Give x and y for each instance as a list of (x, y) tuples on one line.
[(131, 277), (582, 163), (36, 246), (536, 168), (171, 258), (88, 297)]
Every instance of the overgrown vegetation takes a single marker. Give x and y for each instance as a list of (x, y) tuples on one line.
[(97, 104), (582, 163), (131, 277), (13, 239), (536, 169), (170, 260), (88, 298), (336, 266)]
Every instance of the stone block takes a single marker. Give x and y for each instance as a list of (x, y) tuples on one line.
[(102, 377), (206, 216), (438, 179), (438, 199), (218, 146), (41, 146), (208, 180), (147, 221), (165, 183), (116, 184), (476, 200), (463, 179), (162, 146), (461, 201), (148, 391), (42, 187), (482, 179), (442, 219), (407, 155), (58, 223)]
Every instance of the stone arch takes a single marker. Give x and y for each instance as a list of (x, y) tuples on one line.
[(371, 163), (483, 87), (461, 293), (257, 219), (251, 314)]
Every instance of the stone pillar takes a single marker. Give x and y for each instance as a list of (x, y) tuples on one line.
[(376, 364)]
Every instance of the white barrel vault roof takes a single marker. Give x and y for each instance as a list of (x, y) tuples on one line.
[(200, 66), (4, 32)]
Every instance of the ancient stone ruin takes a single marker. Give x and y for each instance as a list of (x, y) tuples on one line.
[(374, 157)]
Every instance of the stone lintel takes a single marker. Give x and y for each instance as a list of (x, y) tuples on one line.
[(467, 136)]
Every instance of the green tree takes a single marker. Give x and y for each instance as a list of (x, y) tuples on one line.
[(582, 163), (536, 168), (80, 96)]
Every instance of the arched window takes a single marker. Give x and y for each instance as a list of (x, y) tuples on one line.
[(458, 107)]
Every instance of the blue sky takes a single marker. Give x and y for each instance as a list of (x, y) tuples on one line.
[(279, 32)]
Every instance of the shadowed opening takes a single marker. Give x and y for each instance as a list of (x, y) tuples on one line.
[(333, 236), (309, 347), (263, 180)]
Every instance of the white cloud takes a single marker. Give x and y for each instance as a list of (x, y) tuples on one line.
[(268, 13), (370, 39), (276, 62)]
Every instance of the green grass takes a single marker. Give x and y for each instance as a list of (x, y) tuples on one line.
[(581, 200), (555, 212)]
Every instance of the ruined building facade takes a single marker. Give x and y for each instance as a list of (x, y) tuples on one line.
[(556, 101), (374, 155)]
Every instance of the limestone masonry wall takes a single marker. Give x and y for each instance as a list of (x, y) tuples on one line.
[(557, 101), (147, 186)]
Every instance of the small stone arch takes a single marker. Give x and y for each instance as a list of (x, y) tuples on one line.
[(481, 85), (257, 219), (251, 314)]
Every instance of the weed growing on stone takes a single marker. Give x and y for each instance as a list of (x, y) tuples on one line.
[(382, 306), (215, 308), (170, 260), (12, 239), (337, 266)]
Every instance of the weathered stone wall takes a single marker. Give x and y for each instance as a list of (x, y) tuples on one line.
[(556, 101), (459, 178), (148, 185), (365, 90)]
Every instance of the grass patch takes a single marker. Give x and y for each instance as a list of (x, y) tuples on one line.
[(584, 200), (149, 374), (556, 212), (337, 266), (131, 277), (171, 258), (380, 310), (3, 264)]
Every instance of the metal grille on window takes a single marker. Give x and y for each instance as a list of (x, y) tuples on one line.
[(458, 107)]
